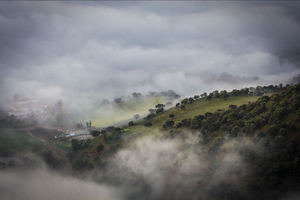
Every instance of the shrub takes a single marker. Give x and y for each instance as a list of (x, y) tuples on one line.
[(130, 123), (159, 110), (100, 148), (178, 125), (232, 106), (169, 124), (186, 122), (95, 133), (148, 124)]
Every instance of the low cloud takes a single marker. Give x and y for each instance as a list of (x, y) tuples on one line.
[(149, 168), (81, 53), (41, 184)]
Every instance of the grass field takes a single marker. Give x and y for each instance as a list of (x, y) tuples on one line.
[(15, 141), (65, 145), (190, 111), (112, 114)]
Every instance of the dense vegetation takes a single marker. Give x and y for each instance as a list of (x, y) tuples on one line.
[(272, 121)]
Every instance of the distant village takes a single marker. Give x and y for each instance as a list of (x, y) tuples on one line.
[(80, 132)]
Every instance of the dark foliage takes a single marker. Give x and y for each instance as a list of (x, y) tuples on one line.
[(130, 123), (148, 124), (95, 133), (169, 124)]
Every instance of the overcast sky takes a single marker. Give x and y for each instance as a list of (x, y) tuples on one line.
[(82, 52)]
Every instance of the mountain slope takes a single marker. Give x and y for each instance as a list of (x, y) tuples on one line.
[(190, 111)]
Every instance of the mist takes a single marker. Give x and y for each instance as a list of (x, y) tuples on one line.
[(42, 184), (83, 52), (148, 168)]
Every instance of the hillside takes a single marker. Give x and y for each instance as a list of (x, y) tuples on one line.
[(22, 144), (126, 108), (264, 130), (228, 135), (190, 111)]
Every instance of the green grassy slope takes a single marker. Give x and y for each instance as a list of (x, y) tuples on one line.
[(20, 140), (190, 111), (115, 113), (17, 141), (270, 122)]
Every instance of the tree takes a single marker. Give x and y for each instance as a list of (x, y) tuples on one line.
[(216, 94), (160, 105), (148, 124), (196, 122), (169, 124), (186, 122), (208, 114), (136, 95), (136, 116), (149, 116), (80, 144), (51, 160), (204, 95), (209, 97), (159, 110), (232, 106), (75, 144), (178, 125), (191, 100), (185, 101), (224, 94), (95, 133), (100, 148), (130, 123), (235, 92), (118, 100)]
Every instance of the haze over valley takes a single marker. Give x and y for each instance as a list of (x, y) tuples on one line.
[(154, 100)]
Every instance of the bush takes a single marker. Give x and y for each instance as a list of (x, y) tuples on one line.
[(100, 148), (208, 114), (95, 133), (191, 100), (159, 110), (186, 122), (130, 123), (51, 160), (185, 101), (196, 122), (232, 106), (80, 144), (272, 130), (178, 125), (168, 124), (148, 124)]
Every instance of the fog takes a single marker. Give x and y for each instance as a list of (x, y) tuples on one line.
[(83, 52), (149, 168), (42, 184)]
